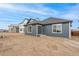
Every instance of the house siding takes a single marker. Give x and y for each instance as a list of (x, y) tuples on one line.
[(65, 30), (47, 30), (33, 30), (21, 28)]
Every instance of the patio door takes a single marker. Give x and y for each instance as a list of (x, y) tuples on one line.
[(39, 29)]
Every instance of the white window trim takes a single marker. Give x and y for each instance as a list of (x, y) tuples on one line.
[(27, 29), (56, 24)]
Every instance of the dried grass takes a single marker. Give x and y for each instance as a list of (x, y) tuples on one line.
[(20, 44)]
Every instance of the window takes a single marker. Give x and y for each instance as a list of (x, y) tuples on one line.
[(20, 29), (29, 29), (57, 28)]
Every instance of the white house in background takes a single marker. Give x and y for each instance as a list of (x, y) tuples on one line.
[(76, 29), (13, 28), (21, 26)]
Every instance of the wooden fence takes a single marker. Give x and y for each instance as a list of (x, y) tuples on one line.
[(75, 33)]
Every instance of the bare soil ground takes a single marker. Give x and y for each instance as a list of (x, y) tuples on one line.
[(16, 44)]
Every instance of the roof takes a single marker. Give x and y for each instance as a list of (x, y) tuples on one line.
[(52, 20), (33, 21), (23, 21)]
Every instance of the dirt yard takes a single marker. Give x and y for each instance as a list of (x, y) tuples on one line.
[(15, 44)]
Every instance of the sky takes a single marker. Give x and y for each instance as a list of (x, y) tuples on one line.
[(14, 13)]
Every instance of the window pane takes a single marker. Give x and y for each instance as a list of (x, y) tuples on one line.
[(54, 28), (20, 29), (29, 29), (59, 28)]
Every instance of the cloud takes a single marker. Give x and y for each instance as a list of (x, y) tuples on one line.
[(71, 16), (7, 6), (6, 20), (38, 9), (35, 10), (71, 13)]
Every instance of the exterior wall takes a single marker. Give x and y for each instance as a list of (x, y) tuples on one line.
[(47, 30), (13, 28), (65, 30), (21, 28), (33, 30), (9, 29), (17, 30)]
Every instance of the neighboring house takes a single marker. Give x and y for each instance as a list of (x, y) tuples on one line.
[(22, 27), (3, 30), (50, 26), (75, 29), (14, 28)]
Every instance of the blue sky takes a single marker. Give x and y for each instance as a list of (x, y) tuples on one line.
[(15, 13)]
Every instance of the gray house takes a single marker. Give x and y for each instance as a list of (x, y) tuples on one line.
[(50, 27)]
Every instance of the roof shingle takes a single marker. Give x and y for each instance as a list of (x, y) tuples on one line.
[(50, 20)]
